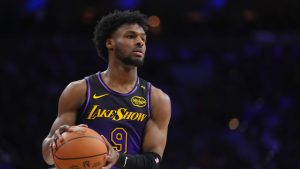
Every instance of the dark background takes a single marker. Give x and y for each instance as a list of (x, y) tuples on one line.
[(231, 68)]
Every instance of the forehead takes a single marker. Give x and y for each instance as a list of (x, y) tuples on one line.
[(130, 28)]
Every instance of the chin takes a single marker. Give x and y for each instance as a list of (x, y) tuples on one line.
[(133, 62)]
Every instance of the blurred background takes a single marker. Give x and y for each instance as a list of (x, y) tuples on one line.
[(231, 68)]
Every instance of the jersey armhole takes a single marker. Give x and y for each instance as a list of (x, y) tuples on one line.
[(149, 99), (88, 93)]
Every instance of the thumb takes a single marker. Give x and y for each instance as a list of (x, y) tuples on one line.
[(107, 167), (108, 145)]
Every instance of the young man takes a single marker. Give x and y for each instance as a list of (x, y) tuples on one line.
[(129, 112)]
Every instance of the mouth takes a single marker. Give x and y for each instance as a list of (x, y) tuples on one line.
[(138, 53)]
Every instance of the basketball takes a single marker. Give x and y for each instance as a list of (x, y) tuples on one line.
[(82, 148)]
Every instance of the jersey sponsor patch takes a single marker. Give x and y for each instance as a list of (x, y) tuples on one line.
[(138, 101)]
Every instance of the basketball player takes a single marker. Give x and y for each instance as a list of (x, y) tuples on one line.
[(128, 111)]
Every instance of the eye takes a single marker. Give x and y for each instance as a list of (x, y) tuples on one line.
[(130, 36)]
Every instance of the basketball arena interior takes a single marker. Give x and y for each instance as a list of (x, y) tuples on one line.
[(230, 67)]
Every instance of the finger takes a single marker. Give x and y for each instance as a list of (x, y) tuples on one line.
[(108, 158), (71, 129), (110, 149), (107, 166), (83, 125), (57, 136), (108, 145), (51, 146), (109, 163), (61, 130), (65, 128)]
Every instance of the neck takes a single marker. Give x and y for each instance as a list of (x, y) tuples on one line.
[(119, 73)]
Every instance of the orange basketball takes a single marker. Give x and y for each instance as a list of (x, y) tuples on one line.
[(83, 148)]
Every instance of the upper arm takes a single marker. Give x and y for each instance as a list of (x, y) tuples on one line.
[(155, 137), (69, 103)]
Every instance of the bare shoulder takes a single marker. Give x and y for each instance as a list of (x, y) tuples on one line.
[(78, 87), (160, 103), (158, 95), (73, 95), (79, 84)]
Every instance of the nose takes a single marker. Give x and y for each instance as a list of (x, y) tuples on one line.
[(140, 42)]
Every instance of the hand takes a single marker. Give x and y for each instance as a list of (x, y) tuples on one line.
[(57, 136), (112, 156)]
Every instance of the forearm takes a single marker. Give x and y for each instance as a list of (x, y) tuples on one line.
[(148, 160), (47, 154)]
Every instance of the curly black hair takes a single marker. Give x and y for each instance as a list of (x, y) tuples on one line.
[(110, 23)]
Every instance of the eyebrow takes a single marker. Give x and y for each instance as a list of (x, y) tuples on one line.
[(143, 34)]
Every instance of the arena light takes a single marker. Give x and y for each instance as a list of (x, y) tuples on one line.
[(128, 4), (154, 21), (218, 4), (234, 123), (32, 6)]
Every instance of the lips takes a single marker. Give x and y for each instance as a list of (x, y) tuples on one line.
[(138, 52)]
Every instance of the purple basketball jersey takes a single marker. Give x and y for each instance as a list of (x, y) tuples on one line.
[(121, 118)]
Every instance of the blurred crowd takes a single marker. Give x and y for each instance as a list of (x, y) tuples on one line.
[(233, 86)]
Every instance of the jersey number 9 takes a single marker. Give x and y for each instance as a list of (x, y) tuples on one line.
[(119, 138)]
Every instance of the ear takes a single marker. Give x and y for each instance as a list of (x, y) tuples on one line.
[(109, 43)]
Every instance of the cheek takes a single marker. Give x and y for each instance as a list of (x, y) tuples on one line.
[(122, 49), (122, 43)]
